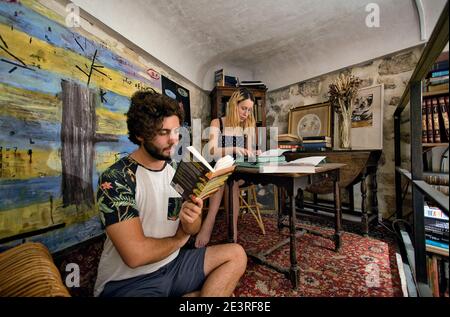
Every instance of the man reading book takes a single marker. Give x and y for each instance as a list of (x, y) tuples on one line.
[(147, 222)]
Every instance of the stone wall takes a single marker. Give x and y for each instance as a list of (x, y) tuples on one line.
[(394, 72)]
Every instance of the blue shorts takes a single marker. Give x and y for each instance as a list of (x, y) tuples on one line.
[(183, 275)]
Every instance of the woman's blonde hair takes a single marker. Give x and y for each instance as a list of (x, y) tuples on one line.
[(232, 115)]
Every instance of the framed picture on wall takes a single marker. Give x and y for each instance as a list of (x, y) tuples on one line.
[(180, 94), (312, 120), (367, 118)]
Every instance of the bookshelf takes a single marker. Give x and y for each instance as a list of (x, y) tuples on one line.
[(221, 94), (416, 252)]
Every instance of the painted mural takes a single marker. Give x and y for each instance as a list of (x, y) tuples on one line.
[(63, 95)]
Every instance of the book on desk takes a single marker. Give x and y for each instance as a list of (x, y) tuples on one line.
[(302, 165)]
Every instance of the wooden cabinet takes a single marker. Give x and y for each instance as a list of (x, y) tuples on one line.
[(221, 94)]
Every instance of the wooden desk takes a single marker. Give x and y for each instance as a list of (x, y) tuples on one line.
[(360, 164), (285, 181)]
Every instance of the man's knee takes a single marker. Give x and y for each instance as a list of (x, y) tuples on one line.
[(238, 256)]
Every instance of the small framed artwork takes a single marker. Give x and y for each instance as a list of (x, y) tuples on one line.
[(367, 118), (312, 120)]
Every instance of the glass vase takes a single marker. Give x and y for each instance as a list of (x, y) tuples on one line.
[(345, 128)]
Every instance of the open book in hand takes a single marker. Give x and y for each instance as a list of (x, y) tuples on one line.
[(198, 178), (301, 165)]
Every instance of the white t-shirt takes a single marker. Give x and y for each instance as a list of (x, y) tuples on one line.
[(127, 190)]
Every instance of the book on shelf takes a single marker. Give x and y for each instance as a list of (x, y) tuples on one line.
[(230, 81), (301, 165), (437, 271), (219, 78), (437, 87), (434, 178), (443, 107), (429, 112), (436, 224), (436, 131), (432, 272), (431, 211), (442, 188), (198, 178), (424, 121), (252, 84), (438, 73), (436, 244)]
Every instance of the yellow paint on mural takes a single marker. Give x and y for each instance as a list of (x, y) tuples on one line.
[(16, 164), (38, 216), (110, 122), (42, 10), (28, 105), (31, 106), (99, 37), (41, 54), (103, 160)]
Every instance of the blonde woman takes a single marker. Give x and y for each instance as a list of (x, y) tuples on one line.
[(230, 135)]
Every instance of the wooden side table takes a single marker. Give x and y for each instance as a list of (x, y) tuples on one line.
[(361, 167)]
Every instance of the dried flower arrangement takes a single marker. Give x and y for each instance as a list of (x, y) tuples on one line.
[(342, 92)]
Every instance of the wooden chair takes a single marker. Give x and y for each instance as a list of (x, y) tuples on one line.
[(252, 206), (28, 270)]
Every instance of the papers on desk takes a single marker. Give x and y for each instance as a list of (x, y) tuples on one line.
[(301, 165)]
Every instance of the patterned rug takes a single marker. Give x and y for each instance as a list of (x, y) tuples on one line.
[(363, 266)]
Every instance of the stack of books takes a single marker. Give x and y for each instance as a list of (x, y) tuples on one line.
[(222, 80), (290, 142), (274, 156), (435, 119), (436, 227), (317, 143), (252, 84), (439, 181), (437, 78)]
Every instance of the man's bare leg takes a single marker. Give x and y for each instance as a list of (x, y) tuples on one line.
[(224, 265)]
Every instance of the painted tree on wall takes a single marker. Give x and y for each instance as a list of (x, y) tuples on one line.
[(63, 95)]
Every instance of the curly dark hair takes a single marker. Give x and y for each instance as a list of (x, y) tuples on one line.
[(147, 112)]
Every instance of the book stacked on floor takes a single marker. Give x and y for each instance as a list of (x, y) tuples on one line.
[(439, 181), (290, 142), (435, 119), (317, 143)]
